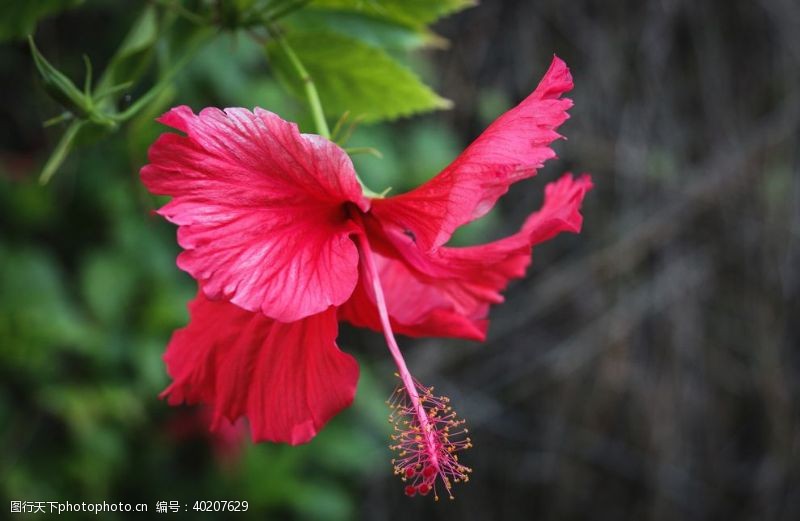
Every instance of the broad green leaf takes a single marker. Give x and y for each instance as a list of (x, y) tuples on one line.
[(19, 17), (352, 76), (413, 13)]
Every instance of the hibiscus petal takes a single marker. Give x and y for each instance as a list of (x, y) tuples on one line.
[(259, 208), (448, 291), (288, 379), (511, 149)]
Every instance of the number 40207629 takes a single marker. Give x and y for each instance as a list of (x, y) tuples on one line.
[(221, 506)]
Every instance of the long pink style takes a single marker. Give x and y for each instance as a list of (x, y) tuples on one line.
[(428, 432), (394, 349)]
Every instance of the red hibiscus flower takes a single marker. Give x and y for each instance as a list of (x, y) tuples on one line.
[(283, 242)]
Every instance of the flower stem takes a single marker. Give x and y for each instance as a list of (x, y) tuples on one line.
[(61, 151), (312, 95)]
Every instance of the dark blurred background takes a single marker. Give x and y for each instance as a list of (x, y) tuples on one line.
[(646, 369)]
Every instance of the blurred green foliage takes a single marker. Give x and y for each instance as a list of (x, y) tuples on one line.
[(19, 18), (89, 290)]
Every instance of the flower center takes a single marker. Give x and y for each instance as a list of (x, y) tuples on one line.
[(427, 431)]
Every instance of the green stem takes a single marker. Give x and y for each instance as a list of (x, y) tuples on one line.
[(308, 84), (61, 151)]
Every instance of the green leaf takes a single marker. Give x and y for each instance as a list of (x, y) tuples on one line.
[(352, 76), (412, 13), (20, 16)]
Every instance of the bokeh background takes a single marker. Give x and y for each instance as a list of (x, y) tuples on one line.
[(648, 368)]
